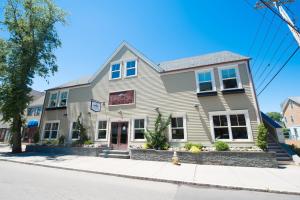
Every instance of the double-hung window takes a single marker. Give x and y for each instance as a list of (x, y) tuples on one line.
[(63, 98), (51, 130), (205, 81), (30, 111), (232, 125), (130, 68), (229, 78), (139, 129), (178, 129), (75, 133), (115, 71), (102, 130), (53, 99)]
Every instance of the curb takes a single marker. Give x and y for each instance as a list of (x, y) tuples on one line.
[(156, 179)]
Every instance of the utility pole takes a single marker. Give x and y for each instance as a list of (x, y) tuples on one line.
[(281, 13)]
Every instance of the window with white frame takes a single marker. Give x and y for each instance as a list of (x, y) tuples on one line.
[(139, 129), (102, 130), (115, 71), (177, 128), (229, 78), (63, 98), (53, 99), (51, 130), (75, 133), (205, 81), (130, 68), (230, 126)]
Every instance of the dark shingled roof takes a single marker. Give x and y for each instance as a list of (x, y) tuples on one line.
[(270, 121)]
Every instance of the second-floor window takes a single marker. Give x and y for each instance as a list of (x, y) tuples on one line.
[(115, 71), (205, 81), (229, 78), (58, 99), (53, 99), (63, 99), (34, 111), (130, 68)]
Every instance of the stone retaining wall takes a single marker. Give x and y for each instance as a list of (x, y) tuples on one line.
[(229, 158), (80, 151)]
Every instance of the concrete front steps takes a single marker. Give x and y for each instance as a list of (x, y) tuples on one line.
[(282, 156), (108, 153)]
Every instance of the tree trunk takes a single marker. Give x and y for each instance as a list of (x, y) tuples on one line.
[(16, 135)]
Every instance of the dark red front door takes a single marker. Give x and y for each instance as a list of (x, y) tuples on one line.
[(119, 135)]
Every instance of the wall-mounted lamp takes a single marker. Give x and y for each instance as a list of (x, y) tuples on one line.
[(156, 109), (196, 105)]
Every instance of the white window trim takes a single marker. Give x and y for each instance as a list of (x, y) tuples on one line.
[(211, 70), (71, 130), (132, 129), (110, 70), (184, 128), (49, 100), (239, 83), (59, 98), (47, 122), (228, 113), (107, 130), (125, 67)]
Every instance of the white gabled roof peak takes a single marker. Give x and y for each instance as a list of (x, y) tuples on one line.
[(134, 50)]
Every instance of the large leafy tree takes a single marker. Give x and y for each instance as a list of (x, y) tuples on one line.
[(27, 52), (276, 116)]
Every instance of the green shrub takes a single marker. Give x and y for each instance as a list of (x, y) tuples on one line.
[(146, 146), (61, 140), (195, 149), (221, 146), (88, 142), (189, 145), (157, 138), (262, 137), (50, 142), (36, 137)]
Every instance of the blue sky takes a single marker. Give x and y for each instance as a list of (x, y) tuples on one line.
[(170, 29)]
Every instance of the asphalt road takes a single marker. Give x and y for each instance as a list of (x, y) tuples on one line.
[(22, 182)]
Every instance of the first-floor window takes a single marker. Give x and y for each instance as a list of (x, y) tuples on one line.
[(51, 130), (230, 126), (139, 129), (75, 131), (102, 130), (177, 128)]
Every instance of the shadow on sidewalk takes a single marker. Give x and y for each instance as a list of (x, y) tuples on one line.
[(37, 157)]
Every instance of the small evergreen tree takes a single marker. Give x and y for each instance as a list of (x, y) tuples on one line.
[(262, 137), (83, 137), (157, 139)]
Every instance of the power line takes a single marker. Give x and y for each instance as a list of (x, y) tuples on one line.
[(276, 13), (264, 39), (257, 31), (267, 50), (274, 66), (286, 62), (272, 57)]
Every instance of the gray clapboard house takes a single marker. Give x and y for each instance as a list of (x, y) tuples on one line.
[(210, 97)]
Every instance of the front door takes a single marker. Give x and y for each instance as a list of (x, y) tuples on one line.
[(119, 135)]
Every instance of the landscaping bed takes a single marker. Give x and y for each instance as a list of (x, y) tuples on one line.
[(80, 151), (229, 158)]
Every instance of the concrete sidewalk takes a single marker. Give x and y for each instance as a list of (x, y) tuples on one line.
[(284, 180)]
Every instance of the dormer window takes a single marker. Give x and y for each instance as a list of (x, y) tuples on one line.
[(115, 71), (130, 68), (230, 78)]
